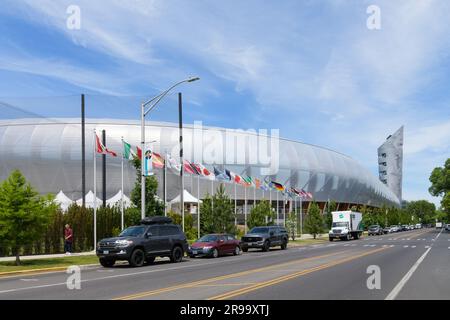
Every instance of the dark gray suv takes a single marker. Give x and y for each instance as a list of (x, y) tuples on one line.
[(154, 237), (264, 238)]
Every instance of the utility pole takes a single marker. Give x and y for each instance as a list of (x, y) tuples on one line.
[(180, 119), (104, 169), (83, 154)]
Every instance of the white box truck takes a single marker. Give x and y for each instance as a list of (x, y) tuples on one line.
[(346, 225)]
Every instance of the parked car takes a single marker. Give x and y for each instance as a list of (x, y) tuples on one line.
[(387, 230), (447, 227), (418, 226), (405, 227), (264, 238), (411, 227), (154, 237), (394, 228), (375, 230), (214, 245)]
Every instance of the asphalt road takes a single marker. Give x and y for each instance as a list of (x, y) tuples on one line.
[(411, 265)]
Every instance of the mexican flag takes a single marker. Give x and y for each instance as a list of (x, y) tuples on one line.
[(128, 153), (100, 148)]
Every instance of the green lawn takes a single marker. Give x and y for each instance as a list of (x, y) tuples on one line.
[(48, 263)]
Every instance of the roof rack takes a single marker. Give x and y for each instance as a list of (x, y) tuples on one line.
[(156, 220)]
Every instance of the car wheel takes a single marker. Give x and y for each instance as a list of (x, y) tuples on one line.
[(284, 245), (137, 258), (150, 260), (215, 253), (107, 263), (331, 239), (266, 246), (245, 249), (177, 254), (237, 251)]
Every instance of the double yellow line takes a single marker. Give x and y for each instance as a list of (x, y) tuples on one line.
[(264, 284), (224, 277)]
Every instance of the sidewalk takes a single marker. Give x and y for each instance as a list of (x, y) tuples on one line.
[(46, 256)]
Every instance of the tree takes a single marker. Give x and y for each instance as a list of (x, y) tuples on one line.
[(422, 210), (23, 218), (217, 213), (328, 216), (440, 185), (291, 225), (153, 205), (314, 220), (261, 215)]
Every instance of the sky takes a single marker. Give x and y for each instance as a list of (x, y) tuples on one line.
[(311, 68)]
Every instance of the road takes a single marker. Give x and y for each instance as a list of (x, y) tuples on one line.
[(412, 265)]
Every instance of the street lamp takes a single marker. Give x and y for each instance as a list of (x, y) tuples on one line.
[(151, 105)]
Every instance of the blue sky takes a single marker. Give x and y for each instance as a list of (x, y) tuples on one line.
[(310, 68)]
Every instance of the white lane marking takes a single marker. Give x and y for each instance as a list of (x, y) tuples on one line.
[(390, 238), (438, 235), (366, 245), (405, 246), (385, 246), (408, 239), (29, 280), (392, 245), (404, 280), (426, 247), (353, 245), (413, 246)]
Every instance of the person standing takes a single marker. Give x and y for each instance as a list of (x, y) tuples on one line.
[(68, 239)]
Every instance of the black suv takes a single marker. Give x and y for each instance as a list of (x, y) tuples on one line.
[(264, 238), (154, 237)]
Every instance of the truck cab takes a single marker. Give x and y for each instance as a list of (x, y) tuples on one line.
[(346, 225)]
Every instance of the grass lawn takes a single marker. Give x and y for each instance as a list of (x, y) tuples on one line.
[(48, 263)]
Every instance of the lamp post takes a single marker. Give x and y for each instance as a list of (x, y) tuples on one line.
[(150, 105)]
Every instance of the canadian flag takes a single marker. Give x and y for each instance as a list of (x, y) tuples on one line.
[(100, 148), (206, 173)]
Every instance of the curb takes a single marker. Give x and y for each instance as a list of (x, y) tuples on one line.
[(40, 271)]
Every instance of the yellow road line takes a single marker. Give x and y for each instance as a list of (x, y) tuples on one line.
[(209, 280), (257, 286)]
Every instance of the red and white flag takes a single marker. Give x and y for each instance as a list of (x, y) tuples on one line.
[(206, 173), (100, 148)]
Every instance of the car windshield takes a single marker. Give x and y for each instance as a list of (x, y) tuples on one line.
[(136, 231), (259, 230), (374, 226), (340, 224), (208, 238)]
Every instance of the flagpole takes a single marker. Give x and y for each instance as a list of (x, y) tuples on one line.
[(301, 217), (121, 195), (165, 186), (198, 205), (284, 211), (278, 213), (245, 209), (212, 199), (95, 189), (235, 205)]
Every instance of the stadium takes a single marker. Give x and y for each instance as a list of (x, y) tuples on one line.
[(48, 153)]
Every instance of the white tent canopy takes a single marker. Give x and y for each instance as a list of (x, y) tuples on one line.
[(187, 198), (89, 200), (63, 200), (116, 200)]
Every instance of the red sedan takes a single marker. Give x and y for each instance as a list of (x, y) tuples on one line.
[(214, 245)]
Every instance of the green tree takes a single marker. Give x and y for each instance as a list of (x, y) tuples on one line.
[(328, 217), (153, 205), (22, 215), (217, 213), (189, 230), (314, 220), (291, 225), (261, 215), (422, 210), (440, 185)]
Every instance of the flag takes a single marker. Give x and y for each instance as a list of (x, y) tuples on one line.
[(205, 172), (235, 177), (139, 152), (173, 164), (187, 167), (196, 168), (220, 175), (228, 173), (157, 160), (100, 148), (264, 186), (128, 153), (148, 163), (257, 183), (276, 186), (309, 194), (248, 182)]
